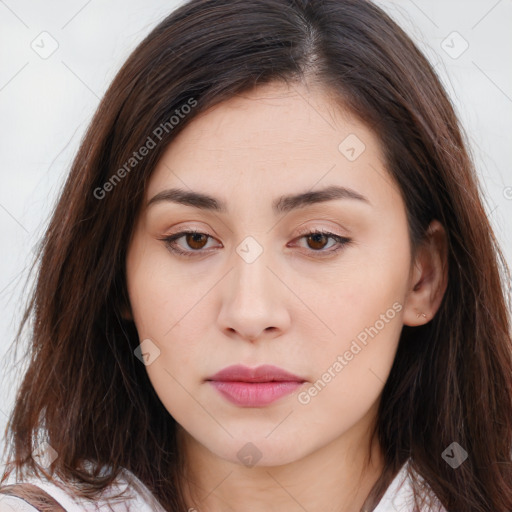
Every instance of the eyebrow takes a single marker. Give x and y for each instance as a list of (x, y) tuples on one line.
[(282, 204)]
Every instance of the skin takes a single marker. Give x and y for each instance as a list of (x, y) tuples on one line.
[(290, 307)]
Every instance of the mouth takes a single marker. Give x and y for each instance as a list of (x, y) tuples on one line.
[(254, 387)]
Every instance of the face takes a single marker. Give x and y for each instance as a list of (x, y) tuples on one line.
[(300, 261)]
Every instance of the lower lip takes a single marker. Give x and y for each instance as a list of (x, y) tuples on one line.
[(254, 394)]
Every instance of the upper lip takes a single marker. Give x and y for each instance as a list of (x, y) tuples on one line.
[(263, 373)]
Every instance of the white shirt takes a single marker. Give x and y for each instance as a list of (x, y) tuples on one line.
[(397, 498), (399, 495)]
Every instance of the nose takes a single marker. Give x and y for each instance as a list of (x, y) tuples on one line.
[(255, 302)]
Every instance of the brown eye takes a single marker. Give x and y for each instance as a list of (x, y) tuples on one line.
[(192, 244), (317, 241), (323, 243), (196, 240)]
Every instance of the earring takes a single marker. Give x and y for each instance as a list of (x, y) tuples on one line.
[(421, 314)]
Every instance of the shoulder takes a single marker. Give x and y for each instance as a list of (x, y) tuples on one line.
[(399, 495), (136, 496)]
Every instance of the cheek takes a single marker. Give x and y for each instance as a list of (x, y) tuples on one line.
[(171, 383), (352, 370), (152, 289), (167, 320), (160, 315), (362, 314), (370, 282), (170, 319)]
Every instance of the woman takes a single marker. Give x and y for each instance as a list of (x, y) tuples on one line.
[(269, 282)]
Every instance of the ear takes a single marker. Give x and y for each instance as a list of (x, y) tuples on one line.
[(429, 277)]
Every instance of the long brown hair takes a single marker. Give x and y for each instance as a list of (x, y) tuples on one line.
[(84, 390)]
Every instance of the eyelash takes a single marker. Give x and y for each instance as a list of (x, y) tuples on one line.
[(170, 242)]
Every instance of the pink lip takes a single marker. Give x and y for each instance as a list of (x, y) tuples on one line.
[(254, 387)]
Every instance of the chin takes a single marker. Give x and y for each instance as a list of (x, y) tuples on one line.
[(259, 452)]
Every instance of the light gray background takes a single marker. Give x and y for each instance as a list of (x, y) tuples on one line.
[(46, 104)]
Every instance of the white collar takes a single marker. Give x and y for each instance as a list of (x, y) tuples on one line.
[(399, 495)]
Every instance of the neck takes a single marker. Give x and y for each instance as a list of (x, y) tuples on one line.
[(335, 478)]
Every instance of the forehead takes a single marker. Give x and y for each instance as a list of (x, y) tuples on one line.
[(272, 116), (275, 136)]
